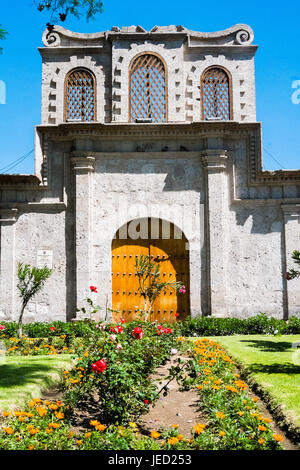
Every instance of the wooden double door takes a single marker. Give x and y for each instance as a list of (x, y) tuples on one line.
[(168, 247)]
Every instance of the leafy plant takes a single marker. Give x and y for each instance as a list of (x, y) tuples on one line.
[(30, 281), (293, 273), (150, 285)]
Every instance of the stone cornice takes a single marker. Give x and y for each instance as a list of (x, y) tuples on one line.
[(239, 34), (291, 211), (8, 215), (20, 182)]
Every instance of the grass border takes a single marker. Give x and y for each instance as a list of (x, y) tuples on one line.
[(291, 430)]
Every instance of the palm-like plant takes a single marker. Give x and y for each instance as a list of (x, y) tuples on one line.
[(150, 285)]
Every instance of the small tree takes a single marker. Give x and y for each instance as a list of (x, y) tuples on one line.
[(150, 286), (30, 281), (293, 273)]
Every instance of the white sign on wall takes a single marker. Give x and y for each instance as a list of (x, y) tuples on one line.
[(44, 259)]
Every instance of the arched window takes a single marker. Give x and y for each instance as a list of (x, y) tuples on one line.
[(80, 96), (216, 94), (147, 89)]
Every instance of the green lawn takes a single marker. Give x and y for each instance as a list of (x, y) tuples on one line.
[(23, 377), (273, 363)]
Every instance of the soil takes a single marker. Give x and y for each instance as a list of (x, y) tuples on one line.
[(178, 407)]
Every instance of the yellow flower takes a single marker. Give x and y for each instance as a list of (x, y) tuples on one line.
[(222, 433), (132, 425), (87, 435), (199, 387), (261, 441), (79, 442), (8, 430), (41, 411), (255, 399), (154, 434), (267, 420), (48, 430), (54, 425), (175, 426), (100, 427), (6, 413), (199, 428), (262, 428), (59, 415), (278, 437), (86, 354), (220, 415), (30, 447), (53, 406), (172, 441), (180, 437), (94, 422)]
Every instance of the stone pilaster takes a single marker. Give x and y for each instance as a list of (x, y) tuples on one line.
[(83, 167), (215, 163), (8, 218), (291, 241)]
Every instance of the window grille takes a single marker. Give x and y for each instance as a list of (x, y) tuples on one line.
[(80, 96), (147, 89), (216, 94)]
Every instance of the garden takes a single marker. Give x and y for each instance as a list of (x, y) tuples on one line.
[(200, 384)]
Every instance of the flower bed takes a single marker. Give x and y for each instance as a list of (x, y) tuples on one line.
[(116, 363)]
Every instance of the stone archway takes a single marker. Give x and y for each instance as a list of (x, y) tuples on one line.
[(166, 245)]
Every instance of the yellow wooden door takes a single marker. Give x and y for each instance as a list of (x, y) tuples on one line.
[(171, 255)]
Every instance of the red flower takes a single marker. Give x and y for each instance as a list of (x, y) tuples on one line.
[(160, 327), (146, 402), (99, 366), (117, 329), (123, 320), (2, 327), (137, 333), (93, 289), (176, 314), (168, 331), (52, 328), (288, 276)]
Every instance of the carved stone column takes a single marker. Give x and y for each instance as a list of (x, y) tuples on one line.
[(291, 241), (214, 163), (83, 167), (8, 218)]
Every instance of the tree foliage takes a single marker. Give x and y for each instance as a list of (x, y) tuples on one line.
[(30, 281), (3, 35), (60, 9)]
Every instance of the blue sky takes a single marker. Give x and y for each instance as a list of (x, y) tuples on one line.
[(276, 29)]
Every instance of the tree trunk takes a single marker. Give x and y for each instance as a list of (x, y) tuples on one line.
[(20, 331)]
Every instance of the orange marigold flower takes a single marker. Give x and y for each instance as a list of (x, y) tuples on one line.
[(172, 441), (222, 433), (278, 437), (59, 415), (261, 441), (155, 434), (6, 414), (255, 399), (199, 387), (79, 442), (220, 415), (262, 428), (199, 428), (8, 430), (87, 435), (41, 411)]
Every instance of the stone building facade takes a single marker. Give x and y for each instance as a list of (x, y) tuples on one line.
[(151, 125)]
